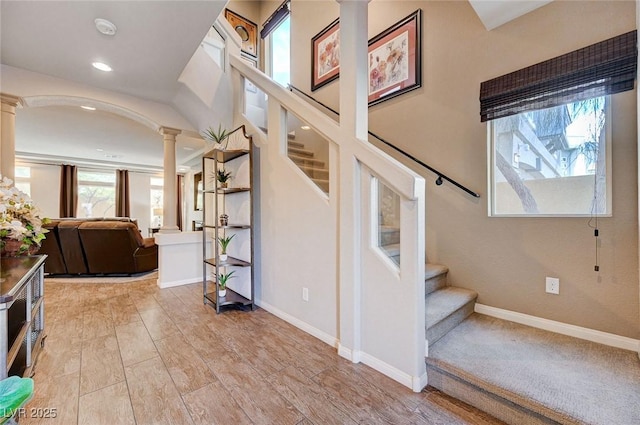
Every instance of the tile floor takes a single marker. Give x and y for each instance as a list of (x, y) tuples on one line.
[(131, 353)]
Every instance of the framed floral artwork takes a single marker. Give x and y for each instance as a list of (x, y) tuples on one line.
[(325, 55), (395, 59)]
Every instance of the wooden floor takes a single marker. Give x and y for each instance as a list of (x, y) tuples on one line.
[(131, 353)]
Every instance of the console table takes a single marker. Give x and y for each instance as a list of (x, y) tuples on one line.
[(21, 313)]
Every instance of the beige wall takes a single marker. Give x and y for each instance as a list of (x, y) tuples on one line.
[(504, 259)]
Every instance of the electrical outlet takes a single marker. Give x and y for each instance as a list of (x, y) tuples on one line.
[(553, 285), (305, 294)]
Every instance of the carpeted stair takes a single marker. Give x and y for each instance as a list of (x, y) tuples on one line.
[(316, 170), (523, 375)]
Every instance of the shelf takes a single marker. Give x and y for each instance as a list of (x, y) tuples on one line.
[(227, 190), (231, 299), (225, 155), (229, 226), (231, 261)]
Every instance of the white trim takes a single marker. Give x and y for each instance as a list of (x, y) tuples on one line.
[(349, 354), (562, 328), (171, 284), (416, 383), (321, 335)]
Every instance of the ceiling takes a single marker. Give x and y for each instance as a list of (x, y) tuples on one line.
[(153, 43)]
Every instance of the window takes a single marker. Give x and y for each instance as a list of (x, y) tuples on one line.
[(280, 44), (553, 161), (96, 193), (550, 148), (157, 200), (276, 29), (23, 179)]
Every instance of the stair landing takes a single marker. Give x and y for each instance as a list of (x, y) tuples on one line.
[(524, 375)]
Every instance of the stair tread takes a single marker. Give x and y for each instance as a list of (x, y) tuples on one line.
[(441, 303), (301, 152), (307, 159), (565, 379), (311, 168)]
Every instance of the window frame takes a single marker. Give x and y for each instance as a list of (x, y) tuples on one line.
[(491, 169)]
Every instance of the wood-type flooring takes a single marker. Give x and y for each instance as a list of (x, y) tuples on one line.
[(131, 353)]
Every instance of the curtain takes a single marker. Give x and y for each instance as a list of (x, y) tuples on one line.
[(122, 194), (179, 196), (275, 19), (604, 68), (68, 190)]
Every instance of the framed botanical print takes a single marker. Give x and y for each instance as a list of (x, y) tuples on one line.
[(247, 30), (395, 59), (325, 60)]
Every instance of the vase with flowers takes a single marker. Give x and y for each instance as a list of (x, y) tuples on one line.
[(21, 231)]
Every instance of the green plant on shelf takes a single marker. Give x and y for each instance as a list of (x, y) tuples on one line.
[(224, 242), (218, 137), (223, 278), (223, 177)]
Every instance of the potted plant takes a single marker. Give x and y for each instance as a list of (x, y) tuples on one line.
[(217, 137), (222, 283), (21, 231), (223, 177), (224, 243)]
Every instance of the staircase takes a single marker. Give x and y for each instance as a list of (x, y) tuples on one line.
[(305, 159)]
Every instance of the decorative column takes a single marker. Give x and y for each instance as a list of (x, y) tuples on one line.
[(169, 224), (8, 135)]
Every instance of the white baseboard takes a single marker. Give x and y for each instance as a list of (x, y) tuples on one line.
[(561, 328), (321, 335), (171, 284), (416, 383)]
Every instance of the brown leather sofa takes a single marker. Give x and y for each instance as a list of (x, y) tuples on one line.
[(97, 246)]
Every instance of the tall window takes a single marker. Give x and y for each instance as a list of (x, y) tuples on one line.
[(280, 53), (157, 200), (277, 31), (23, 178), (96, 193), (550, 148)]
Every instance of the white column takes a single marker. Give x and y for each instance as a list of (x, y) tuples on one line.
[(8, 135), (170, 181), (353, 123)]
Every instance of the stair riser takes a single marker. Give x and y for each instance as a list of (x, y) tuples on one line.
[(440, 329), (301, 152), (307, 162), (316, 174), (388, 237), (435, 283), (492, 404)]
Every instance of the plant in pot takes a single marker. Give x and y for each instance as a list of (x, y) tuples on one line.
[(223, 278), (218, 137), (223, 177), (224, 243)]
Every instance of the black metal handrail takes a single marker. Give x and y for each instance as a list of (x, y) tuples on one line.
[(439, 179)]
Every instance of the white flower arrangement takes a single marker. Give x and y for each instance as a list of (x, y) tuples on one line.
[(19, 218)]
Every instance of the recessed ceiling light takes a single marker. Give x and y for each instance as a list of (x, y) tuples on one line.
[(113, 156), (100, 150), (88, 108), (305, 127), (186, 148), (102, 66), (105, 27)]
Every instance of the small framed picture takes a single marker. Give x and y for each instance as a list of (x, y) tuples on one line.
[(247, 30), (395, 59), (325, 60)]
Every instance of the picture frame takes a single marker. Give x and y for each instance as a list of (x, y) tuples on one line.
[(395, 59), (197, 191), (246, 29), (325, 55)]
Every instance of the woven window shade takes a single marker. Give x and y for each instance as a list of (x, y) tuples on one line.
[(604, 68), (275, 19)]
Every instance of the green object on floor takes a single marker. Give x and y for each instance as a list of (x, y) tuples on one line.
[(15, 392)]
